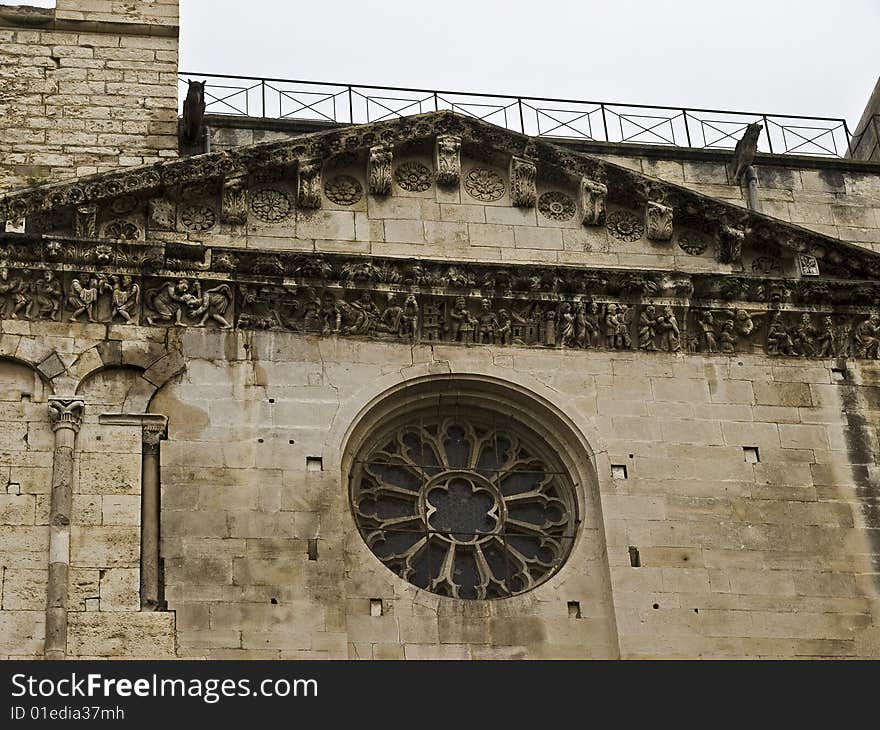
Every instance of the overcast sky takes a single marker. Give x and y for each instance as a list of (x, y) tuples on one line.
[(810, 57)]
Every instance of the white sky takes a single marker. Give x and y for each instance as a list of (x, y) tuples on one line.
[(810, 57)]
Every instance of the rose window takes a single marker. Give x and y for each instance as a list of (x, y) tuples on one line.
[(468, 505)]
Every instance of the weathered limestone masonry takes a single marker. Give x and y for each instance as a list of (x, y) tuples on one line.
[(86, 87), (434, 389)]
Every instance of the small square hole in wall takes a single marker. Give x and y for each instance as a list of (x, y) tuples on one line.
[(838, 375), (376, 607), (25, 397), (93, 604), (574, 609), (314, 463), (751, 455), (635, 559), (13, 488), (313, 549), (618, 471)]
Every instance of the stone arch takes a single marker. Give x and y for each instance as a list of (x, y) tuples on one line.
[(154, 363), (21, 364)]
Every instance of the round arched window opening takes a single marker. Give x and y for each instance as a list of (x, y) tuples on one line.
[(464, 502)]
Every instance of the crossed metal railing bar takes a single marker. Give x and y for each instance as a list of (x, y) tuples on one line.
[(536, 116)]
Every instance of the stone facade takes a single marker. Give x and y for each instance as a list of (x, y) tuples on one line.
[(201, 363), (87, 87)]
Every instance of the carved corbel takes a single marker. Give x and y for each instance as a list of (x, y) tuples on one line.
[(592, 196), (523, 193), (85, 221), (658, 221), (308, 185), (379, 169), (447, 159), (730, 240), (233, 208)]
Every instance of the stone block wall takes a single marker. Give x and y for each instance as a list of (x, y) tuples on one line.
[(87, 87), (774, 558)]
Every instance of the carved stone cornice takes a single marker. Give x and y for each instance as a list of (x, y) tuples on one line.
[(626, 187), (66, 413)]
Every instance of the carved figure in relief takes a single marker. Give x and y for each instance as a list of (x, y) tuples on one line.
[(844, 347), (487, 323), (727, 338), (867, 338), (461, 322), (47, 296), (550, 328), (668, 333), (167, 300), (392, 317), (311, 311), (588, 325), (410, 321), (616, 329), (803, 338), (647, 332), (365, 314), (83, 299), (779, 341), (504, 333), (567, 334), (12, 291), (125, 297), (210, 305), (706, 323), (826, 339), (331, 316)]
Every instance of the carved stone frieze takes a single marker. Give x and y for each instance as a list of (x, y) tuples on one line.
[(447, 159), (422, 300), (308, 184), (379, 169), (523, 176)]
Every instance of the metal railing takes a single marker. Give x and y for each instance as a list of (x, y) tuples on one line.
[(541, 117)]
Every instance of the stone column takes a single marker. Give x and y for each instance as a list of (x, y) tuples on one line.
[(152, 434), (65, 415)]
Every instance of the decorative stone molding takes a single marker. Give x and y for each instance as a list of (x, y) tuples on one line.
[(658, 221), (308, 185), (523, 190), (447, 159), (809, 265), (591, 196), (66, 413), (379, 169), (233, 207), (626, 187)]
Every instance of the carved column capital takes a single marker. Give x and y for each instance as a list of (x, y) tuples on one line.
[(592, 202), (151, 435), (379, 169), (66, 413), (523, 192), (447, 159), (658, 221), (308, 189), (233, 205)]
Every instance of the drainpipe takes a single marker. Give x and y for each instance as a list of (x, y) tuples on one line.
[(750, 177)]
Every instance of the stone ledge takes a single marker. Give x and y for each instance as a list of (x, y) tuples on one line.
[(44, 19)]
